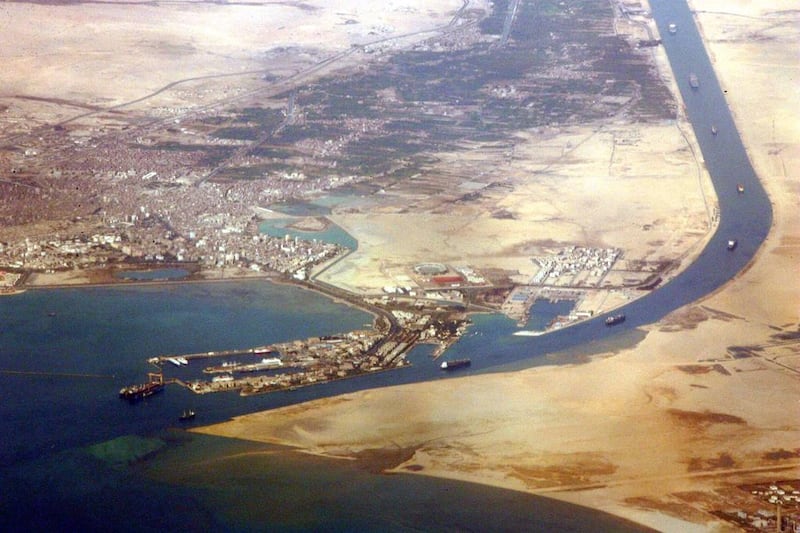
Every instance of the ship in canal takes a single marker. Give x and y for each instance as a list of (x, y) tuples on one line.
[(740, 188), (187, 415), (615, 319), (694, 83), (455, 364), (714, 129), (732, 244), (673, 28)]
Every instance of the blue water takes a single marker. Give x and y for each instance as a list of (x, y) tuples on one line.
[(59, 375), (65, 353), (333, 234), (110, 332)]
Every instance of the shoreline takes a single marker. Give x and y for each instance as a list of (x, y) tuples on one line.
[(567, 430), (119, 282)]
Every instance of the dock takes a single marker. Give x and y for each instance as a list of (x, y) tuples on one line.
[(189, 357)]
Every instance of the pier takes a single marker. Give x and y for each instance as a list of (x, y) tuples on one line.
[(259, 350), (321, 359)]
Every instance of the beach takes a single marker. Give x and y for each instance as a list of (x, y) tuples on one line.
[(707, 400)]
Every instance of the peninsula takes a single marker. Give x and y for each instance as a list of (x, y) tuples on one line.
[(483, 155)]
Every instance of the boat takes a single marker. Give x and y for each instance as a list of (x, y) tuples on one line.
[(694, 83), (141, 391), (673, 28), (713, 129), (187, 415), (225, 378), (455, 364), (173, 361), (615, 319), (182, 360), (51, 313), (740, 188), (732, 244)]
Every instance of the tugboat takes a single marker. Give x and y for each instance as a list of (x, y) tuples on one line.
[(732, 244), (187, 415), (455, 364), (615, 319)]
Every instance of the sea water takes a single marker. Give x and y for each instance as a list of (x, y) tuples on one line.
[(73, 456)]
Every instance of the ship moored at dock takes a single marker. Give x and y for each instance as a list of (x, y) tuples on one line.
[(144, 390)]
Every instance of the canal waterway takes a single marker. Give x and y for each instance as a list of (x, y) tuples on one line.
[(65, 353)]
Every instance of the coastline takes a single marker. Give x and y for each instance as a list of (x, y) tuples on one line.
[(675, 397), (642, 431), (83, 279)]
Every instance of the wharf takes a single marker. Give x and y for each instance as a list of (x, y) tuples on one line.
[(259, 350)]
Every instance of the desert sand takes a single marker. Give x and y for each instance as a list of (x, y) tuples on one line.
[(632, 432), (78, 57), (626, 176), (651, 431)]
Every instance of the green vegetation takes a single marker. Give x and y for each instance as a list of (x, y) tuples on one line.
[(562, 64)]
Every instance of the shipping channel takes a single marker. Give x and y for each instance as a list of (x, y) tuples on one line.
[(42, 415)]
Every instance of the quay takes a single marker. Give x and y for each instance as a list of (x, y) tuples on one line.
[(321, 359), (258, 350)]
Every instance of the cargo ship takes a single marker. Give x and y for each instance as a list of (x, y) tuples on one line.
[(732, 244), (187, 415), (615, 319), (265, 364), (694, 83), (140, 392), (456, 364)]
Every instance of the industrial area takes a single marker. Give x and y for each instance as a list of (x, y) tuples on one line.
[(299, 363), (187, 187)]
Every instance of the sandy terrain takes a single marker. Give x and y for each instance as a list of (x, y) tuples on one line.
[(628, 177), (647, 431), (634, 430), (76, 45)]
